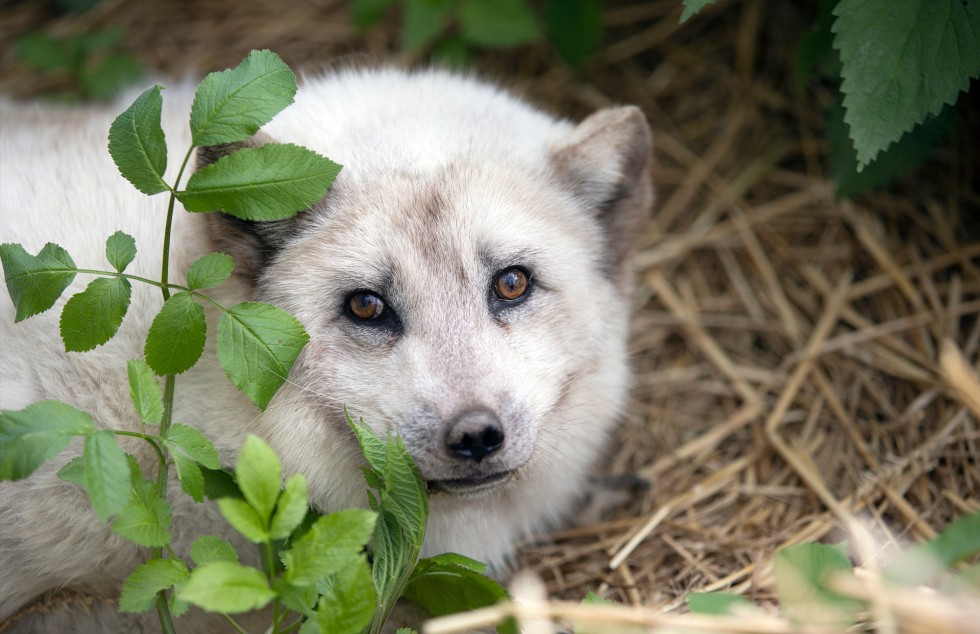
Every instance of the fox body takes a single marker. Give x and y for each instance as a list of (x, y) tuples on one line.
[(465, 282)]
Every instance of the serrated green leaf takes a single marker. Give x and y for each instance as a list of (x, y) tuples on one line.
[(106, 474), (32, 436), (924, 562), (147, 517), (35, 282), (456, 560), (208, 548), (257, 346), (177, 607), (498, 23), (74, 471), (595, 599), (177, 335), (120, 249), (191, 480), (92, 317), (137, 144), (233, 104), (139, 593), (371, 446), (194, 444), (331, 543), (394, 555), (41, 51), (226, 586), (802, 573), (300, 599), (719, 603), (266, 183), (423, 21), (443, 587), (209, 271), (291, 508), (145, 392), (373, 479), (348, 600), (367, 13), (259, 476), (405, 630), (691, 7), (114, 74), (404, 495), (902, 60), (575, 28), (244, 519), (220, 484)]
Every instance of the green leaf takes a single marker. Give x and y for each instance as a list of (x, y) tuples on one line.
[(300, 599), (442, 587), (209, 548), (911, 151), (394, 555), (405, 630), (194, 444), (120, 249), (259, 476), (32, 436), (191, 480), (456, 560), (257, 345), (367, 13), (371, 446), (100, 40), (112, 76), (405, 495), (145, 392), (348, 601), (226, 586), (233, 104), (291, 508), (499, 23), (924, 562), (373, 479), (35, 282), (816, 48), (220, 484), (177, 607), (331, 543), (967, 581), (453, 53), (244, 519), (106, 474), (92, 317), (177, 335), (595, 599), (147, 517), (423, 21), (575, 28), (139, 593), (693, 6), (138, 146), (902, 60), (266, 183), (718, 603), (41, 51), (209, 271), (802, 573), (74, 471)]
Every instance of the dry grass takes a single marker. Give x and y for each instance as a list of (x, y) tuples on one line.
[(805, 369)]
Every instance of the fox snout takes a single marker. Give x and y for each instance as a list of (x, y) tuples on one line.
[(474, 435)]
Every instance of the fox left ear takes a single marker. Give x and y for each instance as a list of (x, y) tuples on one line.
[(606, 162)]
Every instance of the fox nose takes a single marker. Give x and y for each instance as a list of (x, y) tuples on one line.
[(475, 435)]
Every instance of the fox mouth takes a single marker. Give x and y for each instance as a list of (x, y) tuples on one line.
[(473, 486)]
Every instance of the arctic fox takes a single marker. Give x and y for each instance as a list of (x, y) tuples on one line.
[(466, 281)]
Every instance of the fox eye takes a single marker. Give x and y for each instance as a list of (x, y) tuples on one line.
[(366, 306), (511, 284)]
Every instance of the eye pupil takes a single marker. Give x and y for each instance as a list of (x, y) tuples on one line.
[(366, 306), (511, 284)]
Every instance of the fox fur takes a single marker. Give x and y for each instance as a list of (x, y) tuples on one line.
[(446, 182)]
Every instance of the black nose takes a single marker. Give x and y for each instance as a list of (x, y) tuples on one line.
[(475, 435)]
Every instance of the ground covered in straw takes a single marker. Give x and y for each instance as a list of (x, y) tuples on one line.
[(799, 361)]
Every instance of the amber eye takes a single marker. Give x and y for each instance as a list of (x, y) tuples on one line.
[(366, 306), (511, 284)]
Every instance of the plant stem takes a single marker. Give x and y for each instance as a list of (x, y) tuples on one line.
[(148, 438), (165, 269), (163, 610), (292, 627), (165, 287), (237, 627)]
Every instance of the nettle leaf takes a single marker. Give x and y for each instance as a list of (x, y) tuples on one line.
[(209, 271), (257, 346), (32, 436), (371, 446), (177, 335), (226, 586), (147, 518), (922, 563), (693, 6), (137, 143), (41, 51), (575, 28), (404, 495), (718, 603), (139, 593), (301, 599), (259, 476), (902, 60), (177, 607), (348, 601), (120, 249), (266, 183), (106, 474), (443, 587), (423, 21), (92, 317), (220, 484), (233, 104), (191, 480), (367, 13), (244, 519), (331, 543), (802, 573), (145, 392), (210, 548), (35, 282), (74, 471), (194, 444), (291, 508), (393, 554), (498, 22)]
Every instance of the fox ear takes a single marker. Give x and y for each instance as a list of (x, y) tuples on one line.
[(252, 244), (606, 163)]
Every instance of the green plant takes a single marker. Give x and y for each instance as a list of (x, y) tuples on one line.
[(313, 566)]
